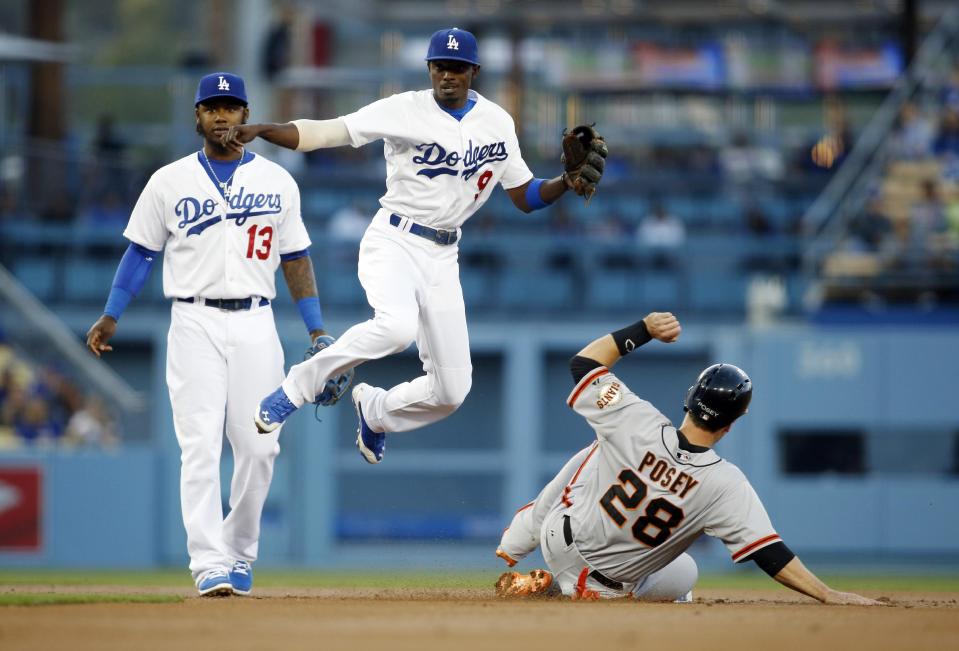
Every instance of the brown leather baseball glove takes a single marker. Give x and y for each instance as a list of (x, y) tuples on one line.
[(584, 159)]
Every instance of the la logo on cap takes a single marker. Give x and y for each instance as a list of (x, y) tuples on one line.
[(224, 84), (452, 43)]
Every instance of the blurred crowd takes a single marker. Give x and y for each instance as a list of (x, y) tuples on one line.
[(909, 229), (661, 194), (41, 407)]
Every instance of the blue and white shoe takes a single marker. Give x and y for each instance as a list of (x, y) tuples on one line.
[(241, 577), (272, 411), (371, 444), (214, 583)]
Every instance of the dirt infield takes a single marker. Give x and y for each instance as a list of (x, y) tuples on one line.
[(463, 620)]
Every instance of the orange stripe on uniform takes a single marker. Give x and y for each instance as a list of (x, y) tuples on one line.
[(581, 583), (578, 389), (582, 592), (523, 508), (753, 546), (572, 481)]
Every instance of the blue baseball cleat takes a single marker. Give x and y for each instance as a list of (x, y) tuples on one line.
[(214, 583), (241, 577), (272, 411), (371, 444)]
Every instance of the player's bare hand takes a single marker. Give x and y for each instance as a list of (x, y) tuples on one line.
[(238, 135), (100, 333), (837, 598), (663, 326)]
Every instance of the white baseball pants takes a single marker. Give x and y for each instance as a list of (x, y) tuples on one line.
[(670, 583), (218, 364), (414, 288)]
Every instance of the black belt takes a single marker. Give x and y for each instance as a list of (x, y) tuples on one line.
[(440, 236), (231, 304), (596, 574)]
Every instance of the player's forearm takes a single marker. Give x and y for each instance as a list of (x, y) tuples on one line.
[(284, 135), (301, 280), (536, 193), (602, 350), (131, 276), (299, 277), (796, 577), (609, 349), (553, 189)]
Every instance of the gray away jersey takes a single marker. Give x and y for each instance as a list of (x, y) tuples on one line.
[(639, 500)]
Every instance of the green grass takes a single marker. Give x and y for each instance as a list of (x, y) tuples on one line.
[(443, 580), (264, 578), (94, 577), (53, 599)]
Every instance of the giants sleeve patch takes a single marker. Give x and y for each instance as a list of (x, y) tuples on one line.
[(610, 393)]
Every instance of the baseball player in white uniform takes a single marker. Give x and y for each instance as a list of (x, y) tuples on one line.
[(446, 148), (225, 220), (617, 519)]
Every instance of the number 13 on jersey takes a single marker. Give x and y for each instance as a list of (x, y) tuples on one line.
[(266, 241)]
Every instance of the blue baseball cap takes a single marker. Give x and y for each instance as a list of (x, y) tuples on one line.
[(454, 43), (221, 84)]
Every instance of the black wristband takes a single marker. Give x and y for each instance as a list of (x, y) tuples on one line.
[(631, 337)]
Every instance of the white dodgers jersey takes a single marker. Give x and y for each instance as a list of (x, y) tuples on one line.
[(440, 170), (639, 500), (214, 247)]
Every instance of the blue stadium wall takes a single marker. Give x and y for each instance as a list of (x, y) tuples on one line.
[(444, 493)]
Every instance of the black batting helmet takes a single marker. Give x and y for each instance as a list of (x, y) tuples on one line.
[(721, 395)]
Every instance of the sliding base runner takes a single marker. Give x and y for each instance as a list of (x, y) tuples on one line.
[(618, 518)]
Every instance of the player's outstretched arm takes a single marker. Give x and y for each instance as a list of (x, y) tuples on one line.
[(301, 135), (796, 577), (609, 349), (584, 158), (284, 135)]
